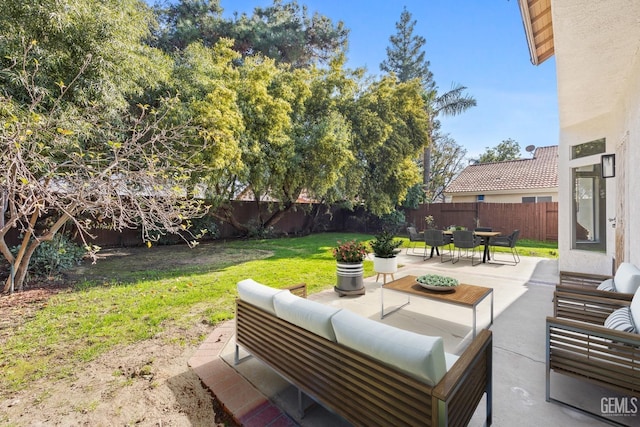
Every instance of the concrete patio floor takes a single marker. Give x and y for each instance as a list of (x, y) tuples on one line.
[(522, 299)]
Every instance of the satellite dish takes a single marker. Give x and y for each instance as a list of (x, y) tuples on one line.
[(530, 148)]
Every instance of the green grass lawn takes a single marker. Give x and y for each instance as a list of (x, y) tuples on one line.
[(170, 287)]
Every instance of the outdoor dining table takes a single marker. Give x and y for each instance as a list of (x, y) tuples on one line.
[(486, 235)]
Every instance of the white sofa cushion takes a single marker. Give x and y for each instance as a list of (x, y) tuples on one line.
[(418, 355), (627, 278), (450, 360), (259, 295), (309, 315)]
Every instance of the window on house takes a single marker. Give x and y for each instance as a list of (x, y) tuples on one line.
[(589, 209), (591, 148), (480, 198), (536, 199)]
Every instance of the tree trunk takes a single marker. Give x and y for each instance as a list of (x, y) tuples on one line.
[(311, 220), (28, 247), (277, 216), (228, 217), (23, 267), (426, 166)]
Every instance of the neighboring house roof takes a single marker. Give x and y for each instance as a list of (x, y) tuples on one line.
[(541, 171)]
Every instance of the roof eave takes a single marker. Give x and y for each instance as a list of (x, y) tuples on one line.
[(538, 52)]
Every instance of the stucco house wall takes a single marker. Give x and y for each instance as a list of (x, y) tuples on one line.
[(620, 127), (597, 52), (628, 129), (574, 259), (501, 197)]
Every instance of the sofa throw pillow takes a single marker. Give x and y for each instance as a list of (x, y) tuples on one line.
[(627, 278), (621, 320)]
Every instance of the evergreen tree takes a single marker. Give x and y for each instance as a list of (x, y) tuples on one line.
[(405, 56), (285, 32)]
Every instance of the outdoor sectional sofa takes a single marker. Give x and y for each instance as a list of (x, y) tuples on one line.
[(370, 373)]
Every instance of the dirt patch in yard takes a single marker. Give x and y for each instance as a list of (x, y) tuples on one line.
[(127, 264), (144, 384)]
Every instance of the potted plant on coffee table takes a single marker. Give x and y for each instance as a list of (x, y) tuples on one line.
[(385, 249), (350, 270)]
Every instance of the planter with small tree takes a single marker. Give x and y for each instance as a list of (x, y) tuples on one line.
[(385, 249)]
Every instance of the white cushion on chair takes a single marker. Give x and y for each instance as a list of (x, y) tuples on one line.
[(627, 278), (309, 315), (259, 295), (418, 355)]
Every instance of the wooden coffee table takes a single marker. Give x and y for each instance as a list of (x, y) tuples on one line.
[(464, 295)]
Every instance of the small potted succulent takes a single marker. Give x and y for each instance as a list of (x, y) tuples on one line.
[(385, 249), (435, 282), (350, 271)]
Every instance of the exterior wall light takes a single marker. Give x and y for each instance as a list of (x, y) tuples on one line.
[(608, 165)]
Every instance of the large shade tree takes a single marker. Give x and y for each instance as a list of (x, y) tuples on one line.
[(74, 146), (284, 31), (390, 123)]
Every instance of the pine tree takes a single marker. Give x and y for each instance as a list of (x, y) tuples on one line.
[(405, 56)]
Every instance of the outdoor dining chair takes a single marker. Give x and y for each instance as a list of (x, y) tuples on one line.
[(438, 241), (466, 239), (505, 242), (414, 239)]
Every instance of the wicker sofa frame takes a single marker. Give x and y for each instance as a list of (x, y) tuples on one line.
[(362, 390), (579, 346)]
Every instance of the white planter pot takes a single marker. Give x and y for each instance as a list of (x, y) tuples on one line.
[(385, 265)]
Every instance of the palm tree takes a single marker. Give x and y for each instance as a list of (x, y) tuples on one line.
[(450, 103)]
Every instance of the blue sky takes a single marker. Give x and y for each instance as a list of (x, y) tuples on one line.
[(478, 44)]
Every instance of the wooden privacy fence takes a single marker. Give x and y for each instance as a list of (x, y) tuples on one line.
[(537, 221)]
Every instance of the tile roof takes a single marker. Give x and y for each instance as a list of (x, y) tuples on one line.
[(541, 171)]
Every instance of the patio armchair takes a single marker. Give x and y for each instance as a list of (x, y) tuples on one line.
[(438, 240), (626, 280), (465, 239), (505, 242), (595, 296), (414, 239), (594, 339)]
